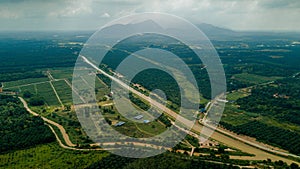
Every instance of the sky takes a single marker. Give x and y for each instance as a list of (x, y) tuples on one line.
[(253, 15)]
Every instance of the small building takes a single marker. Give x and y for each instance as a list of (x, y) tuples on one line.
[(138, 117), (120, 123), (146, 121)]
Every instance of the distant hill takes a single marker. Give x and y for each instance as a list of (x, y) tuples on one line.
[(127, 29), (211, 31), (216, 32), (150, 26)]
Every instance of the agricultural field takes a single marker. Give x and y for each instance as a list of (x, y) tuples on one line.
[(64, 91), (235, 95), (46, 92), (24, 82), (61, 73), (253, 79), (31, 88), (235, 116)]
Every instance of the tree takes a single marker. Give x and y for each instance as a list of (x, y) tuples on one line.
[(27, 94), (221, 149), (36, 101), (294, 166)]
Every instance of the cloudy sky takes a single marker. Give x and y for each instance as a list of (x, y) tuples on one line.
[(276, 15)]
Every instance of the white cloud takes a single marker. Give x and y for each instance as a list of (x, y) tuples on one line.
[(105, 15), (74, 8), (234, 14)]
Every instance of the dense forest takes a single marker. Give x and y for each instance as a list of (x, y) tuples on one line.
[(273, 58), (280, 100), (272, 135), (22, 58), (165, 161), (153, 79), (171, 161), (12, 76), (19, 129)]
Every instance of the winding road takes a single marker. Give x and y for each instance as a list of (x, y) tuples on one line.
[(69, 145), (60, 127)]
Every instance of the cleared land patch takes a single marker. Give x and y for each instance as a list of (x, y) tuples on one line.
[(254, 79)]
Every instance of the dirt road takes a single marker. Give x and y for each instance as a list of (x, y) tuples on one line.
[(260, 152), (60, 127)]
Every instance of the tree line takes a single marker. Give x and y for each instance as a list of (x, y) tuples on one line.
[(19, 129)]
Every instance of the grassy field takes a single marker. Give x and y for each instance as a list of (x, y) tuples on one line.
[(234, 116), (137, 130), (236, 95), (45, 90), (50, 156), (64, 91), (153, 128), (62, 73), (24, 82), (254, 79), (134, 129)]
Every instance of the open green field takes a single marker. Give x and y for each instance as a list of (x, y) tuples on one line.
[(65, 73), (234, 116), (154, 128), (45, 90), (24, 82), (236, 95), (130, 129), (62, 73), (50, 156), (254, 79), (64, 91), (135, 129)]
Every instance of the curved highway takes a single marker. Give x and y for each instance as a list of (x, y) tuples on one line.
[(261, 152)]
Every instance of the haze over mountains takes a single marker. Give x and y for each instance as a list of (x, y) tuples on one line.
[(211, 31)]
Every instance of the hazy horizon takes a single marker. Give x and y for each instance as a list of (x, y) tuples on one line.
[(244, 15)]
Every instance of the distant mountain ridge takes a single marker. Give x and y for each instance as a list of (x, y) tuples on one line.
[(211, 31), (127, 29)]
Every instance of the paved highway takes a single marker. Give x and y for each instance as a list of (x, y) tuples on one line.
[(261, 152)]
